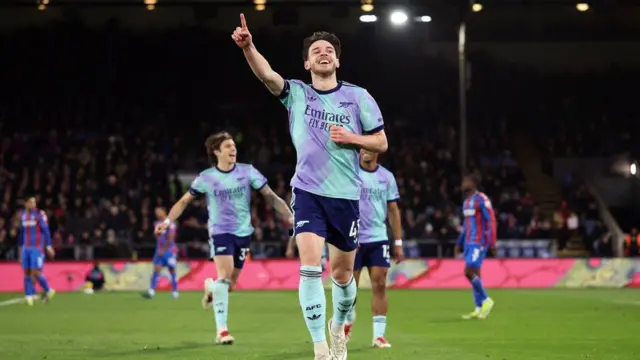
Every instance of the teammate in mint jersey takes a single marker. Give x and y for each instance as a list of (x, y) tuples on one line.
[(33, 238), (166, 256), (227, 187), (378, 202), (329, 120), (477, 237)]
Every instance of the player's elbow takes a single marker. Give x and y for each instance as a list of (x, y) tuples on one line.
[(273, 81), (379, 143), (384, 145)]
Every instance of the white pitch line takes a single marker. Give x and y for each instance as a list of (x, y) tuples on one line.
[(12, 301)]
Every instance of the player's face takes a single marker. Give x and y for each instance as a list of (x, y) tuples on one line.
[(30, 203), (227, 152), (160, 213), (467, 185), (322, 59), (367, 156)]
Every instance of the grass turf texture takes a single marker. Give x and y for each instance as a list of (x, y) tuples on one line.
[(422, 325)]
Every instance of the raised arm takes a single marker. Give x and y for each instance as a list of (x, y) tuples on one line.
[(259, 65)]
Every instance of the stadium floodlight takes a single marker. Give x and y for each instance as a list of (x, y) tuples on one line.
[(42, 4), (151, 4), (424, 19), (260, 4), (368, 18), (399, 17), (477, 7), (633, 169), (582, 6), (367, 5)]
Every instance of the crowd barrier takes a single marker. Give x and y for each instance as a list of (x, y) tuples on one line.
[(410, 274)]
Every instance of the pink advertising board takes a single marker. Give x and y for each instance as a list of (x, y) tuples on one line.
[(411, 274)]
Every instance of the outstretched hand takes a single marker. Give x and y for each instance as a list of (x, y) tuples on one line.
[(241, 36)]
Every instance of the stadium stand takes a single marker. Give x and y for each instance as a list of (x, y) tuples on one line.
[(130, 122)]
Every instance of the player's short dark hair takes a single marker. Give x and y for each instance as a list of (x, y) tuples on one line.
[(317, 36), (474, 178), (214, 142)]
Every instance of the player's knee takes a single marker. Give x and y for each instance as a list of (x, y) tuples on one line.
[(341, 276), (379, 286), (468, 273)]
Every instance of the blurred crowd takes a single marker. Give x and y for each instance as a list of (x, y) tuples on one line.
[(105, 135)]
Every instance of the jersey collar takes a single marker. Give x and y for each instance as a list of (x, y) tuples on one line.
[(370, 171), (330, 91), (228, 171)]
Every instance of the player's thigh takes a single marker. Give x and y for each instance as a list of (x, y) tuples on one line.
[(310, 226), (36, 262), (343, 218), (171, 260), (378, 261), (241, 251), (27, 262), (223, 249), (473, 256), (224, 266), (310, 248)]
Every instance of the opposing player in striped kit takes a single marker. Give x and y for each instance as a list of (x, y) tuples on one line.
[(477, 237), (33, 239)]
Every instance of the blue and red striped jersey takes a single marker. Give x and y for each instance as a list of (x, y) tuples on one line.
[(479, 226), (166, 241), (34, 229)]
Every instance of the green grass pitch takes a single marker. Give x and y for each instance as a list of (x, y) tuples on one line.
[(422, 325)]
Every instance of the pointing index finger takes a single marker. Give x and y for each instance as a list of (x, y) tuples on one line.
[(243, 22)]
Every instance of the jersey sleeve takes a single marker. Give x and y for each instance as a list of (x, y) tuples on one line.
[(392, 189), (258, 181), (44, 227), (463, 234), (489, 219), (291, 91), (370, 115), (21, 234), (198, 187)]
